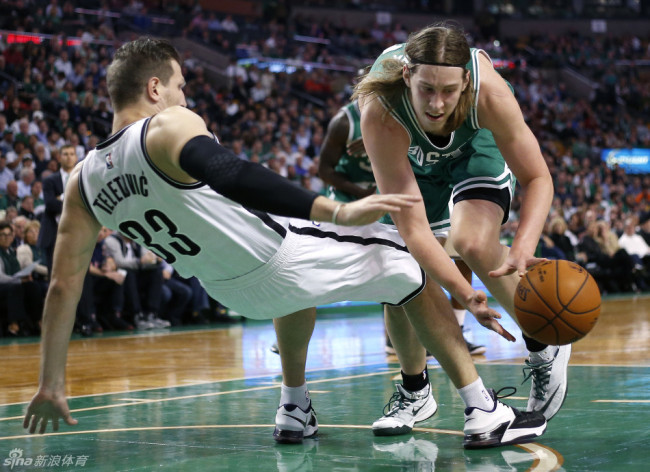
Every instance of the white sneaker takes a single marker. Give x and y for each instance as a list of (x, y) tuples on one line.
[(549, 382), (403, 410), (293, 424), (501, 425), (158, 322), (141, 322)]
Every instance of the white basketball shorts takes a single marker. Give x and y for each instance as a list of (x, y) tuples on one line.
[(322, 263)]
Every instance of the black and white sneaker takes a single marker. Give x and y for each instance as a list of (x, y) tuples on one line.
[(293, 424), (502, 425)]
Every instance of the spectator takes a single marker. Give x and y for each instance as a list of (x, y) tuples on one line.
[(27, 208), (102, 298), (176, 296), (229, 25), (143, 283), (7, 143), (22, 297), (16, 155), (558, 229), (634, 244), (29, 252), (19, 224), (10, 198), (41, 158), (599, 253), (27, 178), (53, 191), (644, 231), (6, 175), (10, 214)]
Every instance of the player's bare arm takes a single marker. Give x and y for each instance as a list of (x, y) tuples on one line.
[(333, 146), (75, 242), (500, 113)]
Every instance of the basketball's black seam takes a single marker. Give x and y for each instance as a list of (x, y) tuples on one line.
[(548, 322), (565, 307)]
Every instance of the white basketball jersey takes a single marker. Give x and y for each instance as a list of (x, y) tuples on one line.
[(194, 228)]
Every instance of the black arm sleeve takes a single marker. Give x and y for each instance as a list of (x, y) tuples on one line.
[(249, 184)]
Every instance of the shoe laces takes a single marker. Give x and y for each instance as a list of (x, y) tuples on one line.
[(541, 375), (396, 403), (510, 391)]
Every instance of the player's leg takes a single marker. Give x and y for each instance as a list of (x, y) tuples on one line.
[(295, 418), (461, 312), (413, 401), (475, 234)]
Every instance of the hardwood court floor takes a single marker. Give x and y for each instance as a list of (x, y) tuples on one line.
[(205, 399)]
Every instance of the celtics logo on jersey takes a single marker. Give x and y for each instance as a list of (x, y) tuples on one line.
[(416, 153)]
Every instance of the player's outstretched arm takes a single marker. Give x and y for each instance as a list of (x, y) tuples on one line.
[(75, 242), (201, 157), (499, 112)]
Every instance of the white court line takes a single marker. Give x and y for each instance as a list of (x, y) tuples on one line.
[(210, 394)]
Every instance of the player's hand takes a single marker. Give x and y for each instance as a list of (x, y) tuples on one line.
[(486, 316), (515, 263), (356, 148), (46, 406), (373, 207)]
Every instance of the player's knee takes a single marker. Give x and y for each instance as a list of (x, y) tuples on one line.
[(473, 248)]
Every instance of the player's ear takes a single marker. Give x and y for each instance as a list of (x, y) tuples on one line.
[(465, 80), (153, 89), (406, 75)]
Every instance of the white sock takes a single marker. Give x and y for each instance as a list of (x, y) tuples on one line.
[(295, 396), (460, 315), (545, 355), (475, 395)]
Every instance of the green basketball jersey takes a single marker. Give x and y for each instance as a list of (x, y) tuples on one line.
[(357, 169), (468, 160)]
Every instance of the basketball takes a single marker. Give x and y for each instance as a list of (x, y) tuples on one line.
[(557, 302)]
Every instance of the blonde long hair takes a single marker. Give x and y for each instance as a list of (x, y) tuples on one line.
[(441, 44)]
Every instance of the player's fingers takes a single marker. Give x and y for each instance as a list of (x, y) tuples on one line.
[(534, 260), (521, 268), (27, 419), (495, 314), (43, 425), (70, 420), (501, 331), (55, 424), (34, 422), (505, 269), (507, 335)]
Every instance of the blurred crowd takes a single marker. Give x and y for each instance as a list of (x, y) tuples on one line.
[(54, 103)]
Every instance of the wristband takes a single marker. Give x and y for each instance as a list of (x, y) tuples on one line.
[(335, 213)]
